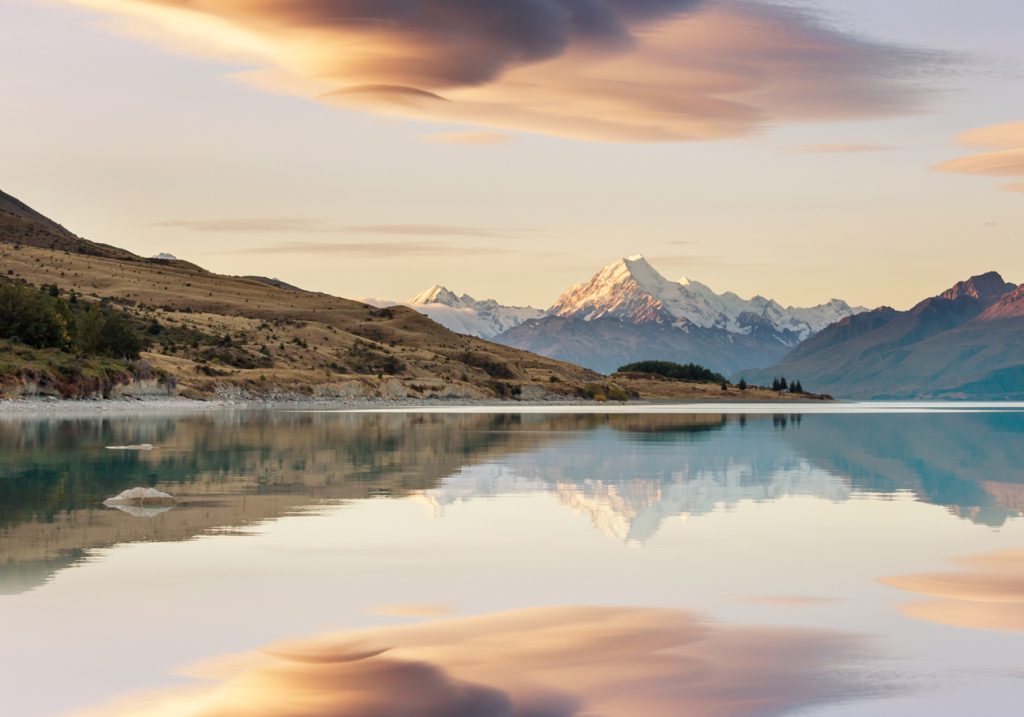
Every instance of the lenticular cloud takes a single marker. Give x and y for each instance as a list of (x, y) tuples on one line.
[(606, 70)]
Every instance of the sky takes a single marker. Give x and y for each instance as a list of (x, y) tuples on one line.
[(802, 150)]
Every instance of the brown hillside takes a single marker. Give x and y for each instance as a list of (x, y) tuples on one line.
[(264, 338)]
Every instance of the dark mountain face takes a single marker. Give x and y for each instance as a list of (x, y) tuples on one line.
[(606, 343), (20, 224), (967, 342)]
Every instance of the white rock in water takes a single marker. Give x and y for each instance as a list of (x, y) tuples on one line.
[(139, 496), (139, 447)]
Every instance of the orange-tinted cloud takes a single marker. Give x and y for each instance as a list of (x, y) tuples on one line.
[(1005, 158), (988, 594), (546, 662), (607, 70), (471, 138)]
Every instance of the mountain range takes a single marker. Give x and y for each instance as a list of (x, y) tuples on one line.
[(628, 311), (466, 315), (966, 342)]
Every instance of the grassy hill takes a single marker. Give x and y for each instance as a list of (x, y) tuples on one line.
[(210, 334)]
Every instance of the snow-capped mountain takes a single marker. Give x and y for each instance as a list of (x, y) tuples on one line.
[(632, 291), (629, 312), (466, 315)]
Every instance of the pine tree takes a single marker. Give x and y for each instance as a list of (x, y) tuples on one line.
[(783, 384), (742, 384)]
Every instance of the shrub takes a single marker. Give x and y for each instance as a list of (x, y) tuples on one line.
[(33, 317)]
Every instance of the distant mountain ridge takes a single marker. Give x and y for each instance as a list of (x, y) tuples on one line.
[(466, 315), (966, 342), (629, 312)]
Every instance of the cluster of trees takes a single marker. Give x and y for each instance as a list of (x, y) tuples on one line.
[(680, 372), (42, 318), (781, 384)]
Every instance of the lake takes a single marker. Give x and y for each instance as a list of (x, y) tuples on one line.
[(663, 560)]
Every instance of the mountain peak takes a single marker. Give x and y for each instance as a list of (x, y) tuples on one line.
[(437, 294), (987, 286)]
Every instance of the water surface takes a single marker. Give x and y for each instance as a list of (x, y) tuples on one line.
[(864, 560)]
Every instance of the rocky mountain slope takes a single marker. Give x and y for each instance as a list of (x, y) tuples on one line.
[(629, 312), (966, 342)]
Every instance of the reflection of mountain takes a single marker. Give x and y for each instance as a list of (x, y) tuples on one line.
[(626, 473), (628, 479), (972, 463)]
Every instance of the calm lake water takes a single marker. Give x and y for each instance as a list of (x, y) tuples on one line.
[(659, 562)]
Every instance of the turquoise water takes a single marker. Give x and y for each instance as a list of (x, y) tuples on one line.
[(847, 561)]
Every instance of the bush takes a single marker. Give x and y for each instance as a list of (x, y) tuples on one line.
[(33, 317), (675, 371)]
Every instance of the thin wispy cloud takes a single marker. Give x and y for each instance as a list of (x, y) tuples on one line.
[(1004, 156), (841, 148), (467, 138), (292, 225), (602, 70), (383, 250), (248, 225)]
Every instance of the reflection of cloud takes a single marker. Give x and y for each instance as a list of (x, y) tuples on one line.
[(544, 662), (608, 70), (987, 595), (1005, 157), (379, 250), (841, 148)]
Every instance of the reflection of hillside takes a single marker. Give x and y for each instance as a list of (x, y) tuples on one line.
[(228, 470), (972, 463)]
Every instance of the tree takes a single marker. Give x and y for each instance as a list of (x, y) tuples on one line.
[(33, 317), (742, 384), (783, 384)]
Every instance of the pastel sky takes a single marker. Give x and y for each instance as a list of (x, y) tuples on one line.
[(802, 150)]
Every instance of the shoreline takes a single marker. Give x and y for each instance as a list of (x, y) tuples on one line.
[(101, 408)]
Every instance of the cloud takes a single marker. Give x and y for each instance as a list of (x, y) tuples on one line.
[(247, 225), (841, 148), (603, 70), (987, 594), (543, 662), (292, 225), (1006, 158), (374, 250), (414, 609), (471, 138), (789, 600)]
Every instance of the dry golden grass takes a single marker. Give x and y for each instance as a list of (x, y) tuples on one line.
[(317, 344)]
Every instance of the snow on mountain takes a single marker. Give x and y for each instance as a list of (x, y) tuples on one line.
[(466, 315), (632, 291)]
